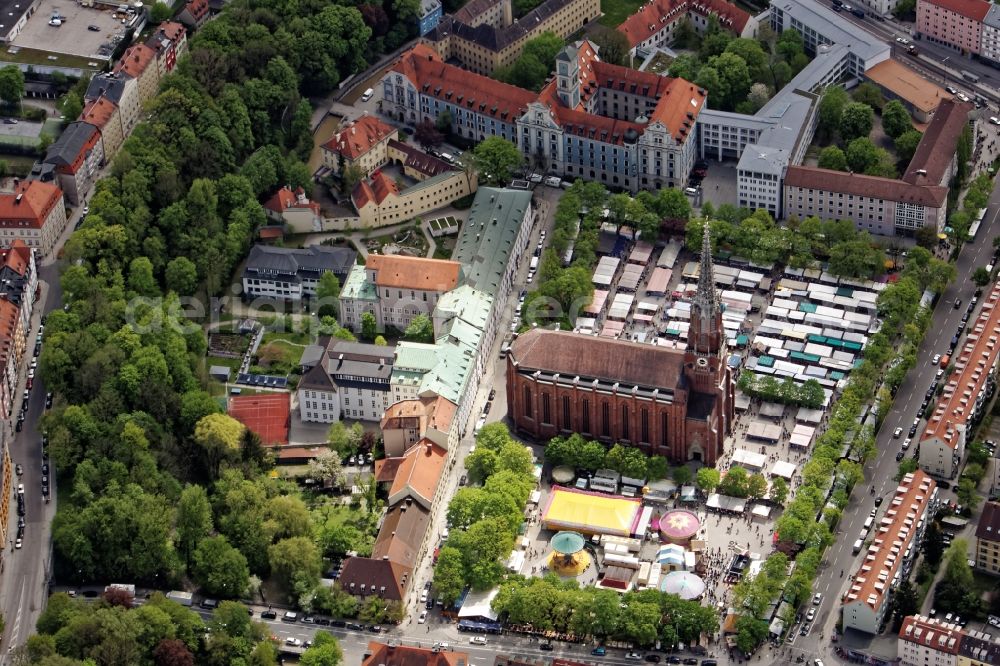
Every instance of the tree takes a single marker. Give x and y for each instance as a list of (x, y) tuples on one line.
[(626, 460), (869, 94), (682, 475), (496, 159), (421, 329), (613, 46), (906, 144), (856, 121), (831, 106), (181, 276), (345, 440), (933, 544), (981, 276), (779, 490), (905, 602), (861, 154), (449, 579), (295, 563), (71, 106), (906, 466), (895, 119), (735, 483), (427, 134), (756, 486), (220, 569), (194, 519), (218, 435), (443, 122), (369, 326), (327, 301), (967, 494), (832, 157), (327, 467), (11, 84), (708, 479), (325, 651), (172, 651)]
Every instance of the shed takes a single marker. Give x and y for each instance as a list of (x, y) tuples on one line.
[(220, 372)]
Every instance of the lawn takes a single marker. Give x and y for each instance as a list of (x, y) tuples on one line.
[(616, 11), (278, 357), (291, 337)]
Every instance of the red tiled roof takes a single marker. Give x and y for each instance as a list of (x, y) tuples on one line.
[(173, 30), (197, 8), (419, 472), (383, 186), (859, 184), (893, 534), (936, 634), (381, 654), (136, 60), (17, 257), (973, 9), (271, 232), (357, 138), (285, 199), (653, 16), (973, 363), (266, 415), (401, 272), (31, 202), (937, 147), (99, 112), (418, 160), (422, 413), (432, 77), (362, 194)]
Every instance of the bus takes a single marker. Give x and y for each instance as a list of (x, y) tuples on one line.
[(969, 76), (974, 227)]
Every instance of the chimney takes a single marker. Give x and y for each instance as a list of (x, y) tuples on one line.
[(17, 199)]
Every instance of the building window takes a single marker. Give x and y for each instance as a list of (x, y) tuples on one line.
[(565, 416), (527, 401), (546, 412), (644, 425), (625, 435), (605, 419), (586, 416)]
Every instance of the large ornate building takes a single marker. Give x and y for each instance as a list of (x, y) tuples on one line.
[(670, 402)]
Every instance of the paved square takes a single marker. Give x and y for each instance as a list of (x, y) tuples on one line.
[(72, 37)]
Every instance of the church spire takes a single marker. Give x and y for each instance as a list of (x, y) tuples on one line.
[(706, 297)]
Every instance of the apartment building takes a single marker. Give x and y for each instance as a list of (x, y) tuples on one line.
[(169, 43), (360, 143), (656, 23), (819, 25), (395, 288), (194, 13), (430, 15), (33, 213), (485, 36), (988, 539), (989, 44), (954, 23), (926, 641), (122, 91), (139, 62), (350, 381), (583, 124), (889, 558), (407, 422), (72, 161), (291, 274), (294, 209), (104, 114), (960, 406)]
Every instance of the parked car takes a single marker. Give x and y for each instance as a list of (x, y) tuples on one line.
[(599, 651)]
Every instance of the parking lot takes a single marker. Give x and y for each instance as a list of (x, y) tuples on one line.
[(73, 37)]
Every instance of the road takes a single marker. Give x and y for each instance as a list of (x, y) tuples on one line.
[(881, 471), (24, 581)]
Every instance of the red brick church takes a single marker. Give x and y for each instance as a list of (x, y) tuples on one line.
[(669, 402)]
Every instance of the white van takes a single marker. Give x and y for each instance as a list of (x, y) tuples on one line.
[(858, 545), (367, 95), (552, 181), (534, 264), (690, 191), (868, 523)]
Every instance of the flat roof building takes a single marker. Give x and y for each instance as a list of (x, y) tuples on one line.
[(293, 274), (897, 81)]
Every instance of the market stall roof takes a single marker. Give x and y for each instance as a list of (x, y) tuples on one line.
[(749, 459), (772, 410), (478, 604), (783, 468), (726, 503), (761, 510)]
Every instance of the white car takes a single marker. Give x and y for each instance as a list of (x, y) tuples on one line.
[(896, 433), (536, 177), (422, 618), (811, 615), (477, 640), (423, 596), (906, 443), (995, 120), (17, 544), (936, 359), (294, 642), (817, 599), (901, 40)]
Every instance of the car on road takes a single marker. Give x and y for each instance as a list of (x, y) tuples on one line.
[(599, 651), (805, 629), (546, 647), (94, 28), (899, 455), (811, 615), (422, 618), (18, 470), (906, 443), (817, 599), (951, 89), (17, 544), (897, 432), (20, 489), (294, 642), (477, 640), (635, 656), (936, 359), (902, 40), (652, 658)]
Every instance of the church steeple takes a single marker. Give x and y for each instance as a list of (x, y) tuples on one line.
[(705, 332)]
